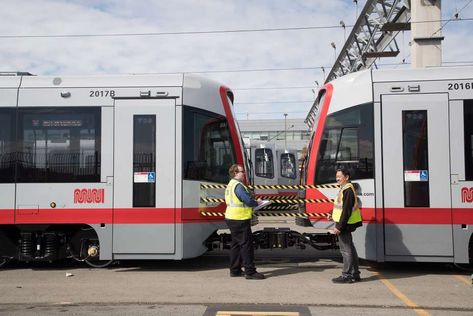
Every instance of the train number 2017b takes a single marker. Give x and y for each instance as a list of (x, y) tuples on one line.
[(460, 86), (101, 93)]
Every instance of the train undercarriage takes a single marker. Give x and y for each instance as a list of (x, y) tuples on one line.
[(48, 243), (278, 238)]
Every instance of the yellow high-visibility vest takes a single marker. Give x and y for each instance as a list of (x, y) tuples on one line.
[(355, 216), (236, 209)]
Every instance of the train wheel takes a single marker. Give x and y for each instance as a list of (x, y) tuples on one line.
[(98, 263), (93, 254), (4, 261)]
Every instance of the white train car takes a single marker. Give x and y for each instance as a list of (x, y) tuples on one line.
[(109, 167), (272, 165), (406, 136)]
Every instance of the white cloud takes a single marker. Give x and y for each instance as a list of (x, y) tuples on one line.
[(197, 52)]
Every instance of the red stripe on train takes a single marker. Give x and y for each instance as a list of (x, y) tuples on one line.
[(109, 216), (417, 216)]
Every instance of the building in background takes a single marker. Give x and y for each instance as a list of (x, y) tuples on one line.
[(285, 133)]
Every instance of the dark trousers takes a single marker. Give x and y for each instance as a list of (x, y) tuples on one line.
[(349, 254), (241, 249)]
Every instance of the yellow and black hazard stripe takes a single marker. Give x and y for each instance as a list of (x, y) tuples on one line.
[(277, 201), (275, 186), (267, 214), (211, 200), (280, 207), (275, 197), (212, 213), (213, 186)]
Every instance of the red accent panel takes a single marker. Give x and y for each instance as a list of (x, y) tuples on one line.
[(7, 217), (417, 215), (317, 136), (120, 216), (64, 216), (368, 215), (462, 216), (232, 125), (192, 215), (144, 215)]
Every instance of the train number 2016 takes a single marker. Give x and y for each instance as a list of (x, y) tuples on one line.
[(101, 93), (460, 86)]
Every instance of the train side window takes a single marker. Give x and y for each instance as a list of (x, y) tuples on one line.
[(208, 150), (347, 151), (347, 141), (415, 158), (468, 127), (144, 160), (264, 163), (7, 145), (59, 144), (288, 166)]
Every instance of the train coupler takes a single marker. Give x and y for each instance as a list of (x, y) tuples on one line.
[(270, 238), (277, 238)]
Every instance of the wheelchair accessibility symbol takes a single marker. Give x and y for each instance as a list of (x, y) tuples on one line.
[(151, 177), (424, 175)]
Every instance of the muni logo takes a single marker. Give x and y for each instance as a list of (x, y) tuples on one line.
[(89, 196), (467, 195)]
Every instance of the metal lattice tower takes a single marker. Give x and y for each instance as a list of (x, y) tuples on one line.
[(372, 36)]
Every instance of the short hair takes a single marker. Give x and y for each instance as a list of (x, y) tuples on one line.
[(233, 169), (344, 171)]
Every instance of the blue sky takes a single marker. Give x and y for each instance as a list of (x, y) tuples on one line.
[(202, 52)]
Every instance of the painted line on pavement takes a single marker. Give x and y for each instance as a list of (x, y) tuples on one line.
[(249, 313), (401, 295), (463, 279)]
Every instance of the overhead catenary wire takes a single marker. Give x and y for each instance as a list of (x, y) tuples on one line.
[(454, 18), (176, 33)]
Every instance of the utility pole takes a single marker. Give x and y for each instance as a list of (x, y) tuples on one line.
[(426, 33), (285, 131)]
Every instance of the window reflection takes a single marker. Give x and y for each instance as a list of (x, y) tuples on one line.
[(347, 141), (208, 150), (264, 163), (59, 145)]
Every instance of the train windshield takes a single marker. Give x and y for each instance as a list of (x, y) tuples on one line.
[(288, 166), (347, 142), (208, 150), (264, 163)]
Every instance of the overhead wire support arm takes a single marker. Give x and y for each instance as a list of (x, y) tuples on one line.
[(372, 36)]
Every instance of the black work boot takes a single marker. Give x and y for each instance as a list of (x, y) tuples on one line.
[(255, 276), (343, 279)]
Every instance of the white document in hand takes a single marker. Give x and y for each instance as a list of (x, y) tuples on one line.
[(263, 204)]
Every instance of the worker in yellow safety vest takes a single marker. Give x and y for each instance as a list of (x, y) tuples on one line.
[(347, 217), (238, 216)]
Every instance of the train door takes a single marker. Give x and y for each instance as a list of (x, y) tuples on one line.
[(416, 175), (7, 164), (144, 176)]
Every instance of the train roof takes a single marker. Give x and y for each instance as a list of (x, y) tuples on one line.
[(356, 88), (25, 80), (422, 74)]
